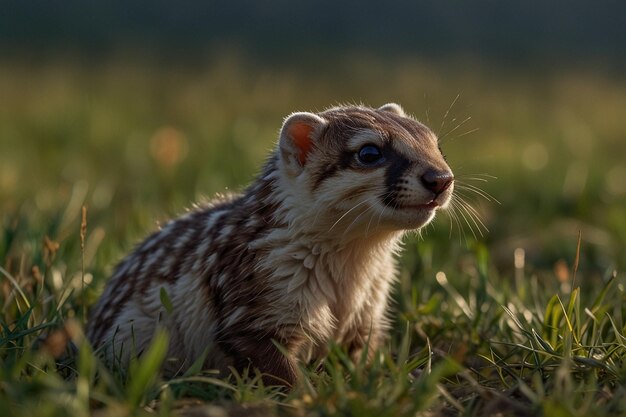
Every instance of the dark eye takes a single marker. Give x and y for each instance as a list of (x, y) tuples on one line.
[(370, 155)]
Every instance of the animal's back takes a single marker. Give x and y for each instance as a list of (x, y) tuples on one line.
[(190, 259)]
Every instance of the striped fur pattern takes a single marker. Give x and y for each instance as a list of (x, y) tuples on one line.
[(303, 256)]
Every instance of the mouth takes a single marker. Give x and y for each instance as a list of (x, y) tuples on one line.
[(431, 205)]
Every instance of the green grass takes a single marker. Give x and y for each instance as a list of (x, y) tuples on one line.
[(527, 319)]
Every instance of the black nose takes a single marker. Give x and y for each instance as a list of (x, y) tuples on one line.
[(437, 181)]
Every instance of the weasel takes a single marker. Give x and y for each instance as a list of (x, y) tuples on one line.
[(303, 256)]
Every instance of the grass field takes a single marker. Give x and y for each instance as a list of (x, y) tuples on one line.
[(525, 319)]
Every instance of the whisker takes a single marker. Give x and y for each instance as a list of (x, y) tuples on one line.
[(370, 208), (483, 194), (454, 217), (443, 122), (462, 213), (472, 188), (466, 133), (348, 212), (457, 127), (467, 203), (384, 208), (471, 179), (367, 229), (482, 177), (369, 223), (474, 215), (455, 213), (382, 212)]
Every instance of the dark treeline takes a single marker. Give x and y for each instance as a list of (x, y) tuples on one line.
[(569, 30)]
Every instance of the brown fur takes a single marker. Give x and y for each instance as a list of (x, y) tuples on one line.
[(302, 257)]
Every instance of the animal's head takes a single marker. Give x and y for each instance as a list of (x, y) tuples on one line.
[(358, 170)]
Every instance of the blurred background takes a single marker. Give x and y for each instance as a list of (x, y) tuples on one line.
[(136, 109)]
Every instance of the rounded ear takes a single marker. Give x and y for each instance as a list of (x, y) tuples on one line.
[(393, 108), (297, 136)]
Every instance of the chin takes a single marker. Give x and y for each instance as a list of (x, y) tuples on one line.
[(410, 219)]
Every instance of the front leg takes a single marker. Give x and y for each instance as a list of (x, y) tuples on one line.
[(371, 323), (257, 350), (365, 338)]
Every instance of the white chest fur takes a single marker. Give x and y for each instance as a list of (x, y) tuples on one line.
[(327, 289)]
